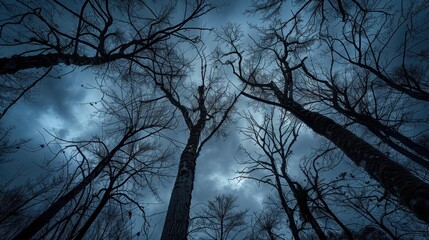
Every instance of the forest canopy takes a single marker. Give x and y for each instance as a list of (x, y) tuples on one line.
[(200, 119)]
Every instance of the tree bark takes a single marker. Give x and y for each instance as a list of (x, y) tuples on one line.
[(385, 132), (394, 178), (411, 191), (177, 220), (16, 63)]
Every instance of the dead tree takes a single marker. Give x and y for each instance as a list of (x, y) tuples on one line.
[(275, 138), (220, 218), (207, 110), (133, 120), (106, 36), (268, 88), (36, 38)]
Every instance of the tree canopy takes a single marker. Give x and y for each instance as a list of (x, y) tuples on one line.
[(318, 107)]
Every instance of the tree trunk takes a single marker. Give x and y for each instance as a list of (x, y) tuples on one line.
[(301, 198), (177, 219), (94, 215), (397, 180), (39, 222), (16, 63), (413, 157), (385, 132), (346, 231), (286, 208)]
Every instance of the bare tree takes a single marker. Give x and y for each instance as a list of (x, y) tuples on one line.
[(128, 176), (371, 31), (132, 119), (204, 112), (381, 111), (105, 35), (352, 193), (266, 225), (321, 190), (109, 34), (18, 201), (100, 32), (7, 146), (285, 44), (275, 138), (219, 219), (113, 223)]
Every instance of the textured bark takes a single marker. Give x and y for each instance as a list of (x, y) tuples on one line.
[(44, 218), (385, 133), (16, 63), (177, 219), (394, 178)]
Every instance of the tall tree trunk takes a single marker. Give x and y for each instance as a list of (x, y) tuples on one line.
[(39, 222), (177, 219), (397, 180), (385, 132), (16, 63)]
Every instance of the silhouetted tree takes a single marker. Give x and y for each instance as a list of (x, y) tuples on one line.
[(99, 32), (204, 112), (108, 35), (17, 201), (220, 219), (266, 225), (113, 223), (275, 137), (7, 146), (336, 191), (130, 120), (284, 43)]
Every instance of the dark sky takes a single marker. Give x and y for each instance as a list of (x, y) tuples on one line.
[(61, 106)]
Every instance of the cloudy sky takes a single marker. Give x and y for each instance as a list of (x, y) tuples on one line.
[(62, 106)]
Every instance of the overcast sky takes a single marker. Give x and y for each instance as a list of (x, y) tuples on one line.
[(62, 106)]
